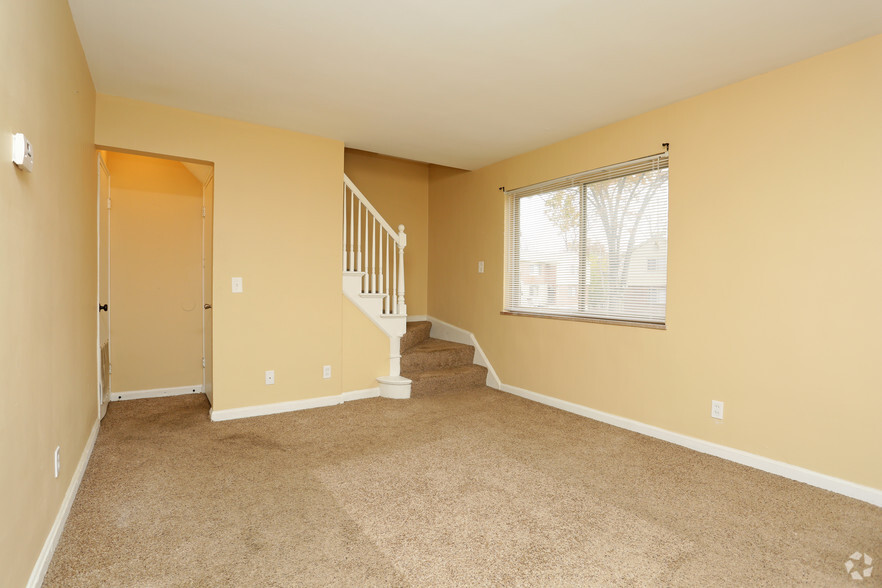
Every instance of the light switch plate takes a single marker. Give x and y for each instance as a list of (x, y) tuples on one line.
[(237, 285), (22, 152), (480, 267)]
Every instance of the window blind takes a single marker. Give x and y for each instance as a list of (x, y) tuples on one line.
[(592, 244)]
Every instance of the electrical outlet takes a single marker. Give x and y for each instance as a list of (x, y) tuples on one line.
[(270, 377), (717, 409), (480, 267), (326, 372), (57, 460)]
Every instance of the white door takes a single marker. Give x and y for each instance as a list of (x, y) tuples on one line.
[(207, 250), (104, 369)]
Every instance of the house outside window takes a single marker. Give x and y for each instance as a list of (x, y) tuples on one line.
[(600, 239)]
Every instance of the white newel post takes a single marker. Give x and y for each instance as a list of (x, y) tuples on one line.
[(402, 243)]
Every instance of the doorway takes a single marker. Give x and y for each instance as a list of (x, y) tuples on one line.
[(104, 385), (207, 256), (156, 263)]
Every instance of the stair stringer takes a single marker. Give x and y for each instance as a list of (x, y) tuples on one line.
[(394, 326), (448, 332)]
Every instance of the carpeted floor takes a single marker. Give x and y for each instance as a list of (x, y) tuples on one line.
[(471, 488)]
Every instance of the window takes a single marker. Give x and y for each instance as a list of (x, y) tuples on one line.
[(601, 238), (657, 296)]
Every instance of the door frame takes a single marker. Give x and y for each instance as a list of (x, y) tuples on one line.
[(207, 288), (114, 149), (102, 208)]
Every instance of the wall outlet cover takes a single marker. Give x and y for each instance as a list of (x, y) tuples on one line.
[(717, 409)]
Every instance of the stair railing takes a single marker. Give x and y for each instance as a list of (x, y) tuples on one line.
[(368, 242)]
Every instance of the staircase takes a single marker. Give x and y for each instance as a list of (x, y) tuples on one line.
[(433, 365), (373, 277)]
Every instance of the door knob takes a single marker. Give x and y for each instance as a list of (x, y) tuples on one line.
[(102, 307), (206, 306)]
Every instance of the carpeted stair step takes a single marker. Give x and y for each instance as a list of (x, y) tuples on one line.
[(417, 332), (460, 377), (435, 354)]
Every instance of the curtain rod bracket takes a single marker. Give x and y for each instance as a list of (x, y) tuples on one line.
[(666, 146)]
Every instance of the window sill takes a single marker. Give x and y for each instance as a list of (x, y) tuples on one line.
[(586, 319)]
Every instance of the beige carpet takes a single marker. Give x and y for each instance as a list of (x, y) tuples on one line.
[(471, 488)]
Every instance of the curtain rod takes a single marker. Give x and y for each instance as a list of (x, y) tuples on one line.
[(666, 147)]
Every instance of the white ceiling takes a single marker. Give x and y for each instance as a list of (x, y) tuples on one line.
[(462, 83)]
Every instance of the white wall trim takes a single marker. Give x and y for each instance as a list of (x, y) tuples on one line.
[(360, 394), (413, 318), (448, 332), (42, 565), (780, 468), (155, 393), (292, 405)]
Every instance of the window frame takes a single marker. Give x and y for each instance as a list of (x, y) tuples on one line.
[(581, 180)]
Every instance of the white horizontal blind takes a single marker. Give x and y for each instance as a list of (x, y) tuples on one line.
[(591, 245)]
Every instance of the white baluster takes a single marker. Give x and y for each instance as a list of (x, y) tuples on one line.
[(380, 257), (358, 257), (402, 243), (366, 280), (351, 231), (394, 283), (374, 256), (387, 304)]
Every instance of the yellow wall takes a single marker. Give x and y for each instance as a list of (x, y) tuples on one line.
[(156, 273), (774, 271), (277, 219), (399, 190), (48, 260), (365, 354)]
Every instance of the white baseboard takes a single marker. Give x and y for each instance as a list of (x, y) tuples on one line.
[(292, 405), (39, 571), (155, 393), (448, 332), (360, 394), (780, 468)]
